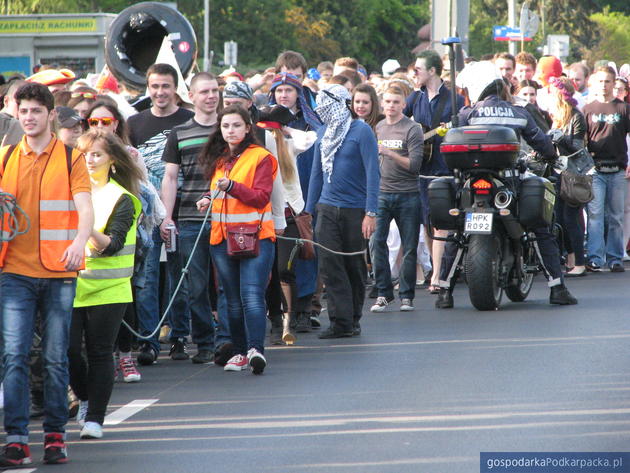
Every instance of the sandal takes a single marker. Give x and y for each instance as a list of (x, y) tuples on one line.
[(433, 289)]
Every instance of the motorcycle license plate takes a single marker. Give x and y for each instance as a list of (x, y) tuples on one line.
[(478, 222)]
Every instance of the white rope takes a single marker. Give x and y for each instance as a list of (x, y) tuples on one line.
[(179, 284), (300, 241)]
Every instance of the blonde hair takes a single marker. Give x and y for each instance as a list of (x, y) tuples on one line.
[(127, 173), (562, 110), (284, 157)]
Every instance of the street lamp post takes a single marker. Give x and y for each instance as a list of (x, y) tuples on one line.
[(206, 35)]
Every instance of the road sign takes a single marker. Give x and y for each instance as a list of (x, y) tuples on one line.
[(230, 51), (529, 21), (506, 33), (558, 45)]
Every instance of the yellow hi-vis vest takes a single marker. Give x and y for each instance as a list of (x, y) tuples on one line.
[(107, 279)]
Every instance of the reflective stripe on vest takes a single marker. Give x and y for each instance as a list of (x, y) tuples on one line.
[(236, 218), (57, 235), (56, 205), (107, 273), (125, 251)]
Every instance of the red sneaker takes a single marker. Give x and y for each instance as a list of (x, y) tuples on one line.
[(236, 363), (55, 449), (15, 454)]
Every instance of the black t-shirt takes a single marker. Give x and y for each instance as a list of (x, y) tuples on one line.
[(607, 126), (148, 133)]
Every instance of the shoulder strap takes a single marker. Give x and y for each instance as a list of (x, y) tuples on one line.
[(437, 116), (6, 157), (68, 158)]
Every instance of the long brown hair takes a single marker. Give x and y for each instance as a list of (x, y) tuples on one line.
[(127, 172), (375, 115), (217, 150)]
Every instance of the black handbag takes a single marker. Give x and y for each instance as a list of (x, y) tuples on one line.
[(576, 189)]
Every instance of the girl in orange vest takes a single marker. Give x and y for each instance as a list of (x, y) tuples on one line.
[(241, 174)]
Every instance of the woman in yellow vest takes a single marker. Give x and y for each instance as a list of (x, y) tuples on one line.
[(241, 174), (103, 287)]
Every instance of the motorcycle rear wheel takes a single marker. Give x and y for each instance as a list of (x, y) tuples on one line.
[(482, 265)]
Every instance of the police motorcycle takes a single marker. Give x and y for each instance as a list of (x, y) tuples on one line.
[(490, 206)]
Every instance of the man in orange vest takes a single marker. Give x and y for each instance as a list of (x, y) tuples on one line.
[(39, 270)]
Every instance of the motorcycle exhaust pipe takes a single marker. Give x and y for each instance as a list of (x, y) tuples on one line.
[(502, 199)]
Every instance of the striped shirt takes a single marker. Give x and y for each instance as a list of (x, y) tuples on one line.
[(182, 147)]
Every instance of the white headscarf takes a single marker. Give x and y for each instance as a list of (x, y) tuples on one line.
[(332, 108)]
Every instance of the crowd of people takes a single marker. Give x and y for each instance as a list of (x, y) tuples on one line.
[(194, 204)]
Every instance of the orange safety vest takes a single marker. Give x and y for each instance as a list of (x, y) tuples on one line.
[(228, 210), (58, 217)]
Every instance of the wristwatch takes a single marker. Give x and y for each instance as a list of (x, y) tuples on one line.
[(370, 214)]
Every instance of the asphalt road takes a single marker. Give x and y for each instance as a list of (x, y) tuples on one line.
[(423, 391)]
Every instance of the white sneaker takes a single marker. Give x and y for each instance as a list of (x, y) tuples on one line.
[(82, 414), (406, 305), (256, 361), (381, 304), (91, 430), (236, 363)]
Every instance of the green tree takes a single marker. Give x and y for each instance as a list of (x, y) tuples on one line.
[(371, 30), (570, 17), (615, 38), (622, 6)]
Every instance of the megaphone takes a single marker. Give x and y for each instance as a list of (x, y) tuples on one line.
[(135, 36)]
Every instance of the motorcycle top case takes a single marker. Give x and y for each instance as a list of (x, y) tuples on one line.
[(535, 202), (488, 147), (442, 199)]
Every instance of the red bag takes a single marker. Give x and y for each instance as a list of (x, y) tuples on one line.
[(242, 240)]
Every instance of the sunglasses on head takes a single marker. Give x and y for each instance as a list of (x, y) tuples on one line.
[(85, 95), (106, 121)]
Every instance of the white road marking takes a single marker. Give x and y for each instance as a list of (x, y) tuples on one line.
[(20, 470), (128, 410)]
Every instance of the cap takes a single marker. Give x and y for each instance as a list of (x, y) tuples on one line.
[(389, 67), (67, 117), (52, 77), (277, 113), (238, 90)]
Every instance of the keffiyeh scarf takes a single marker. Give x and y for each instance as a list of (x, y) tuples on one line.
[(332, 108)]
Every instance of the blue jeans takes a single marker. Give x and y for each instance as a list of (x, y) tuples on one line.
[(244, 282), (148, 296), (191, 311), (222, 333), (405, 209), (606, 208), (21, 298)]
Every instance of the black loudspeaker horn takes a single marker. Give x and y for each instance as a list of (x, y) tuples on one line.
[(134, 39)]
